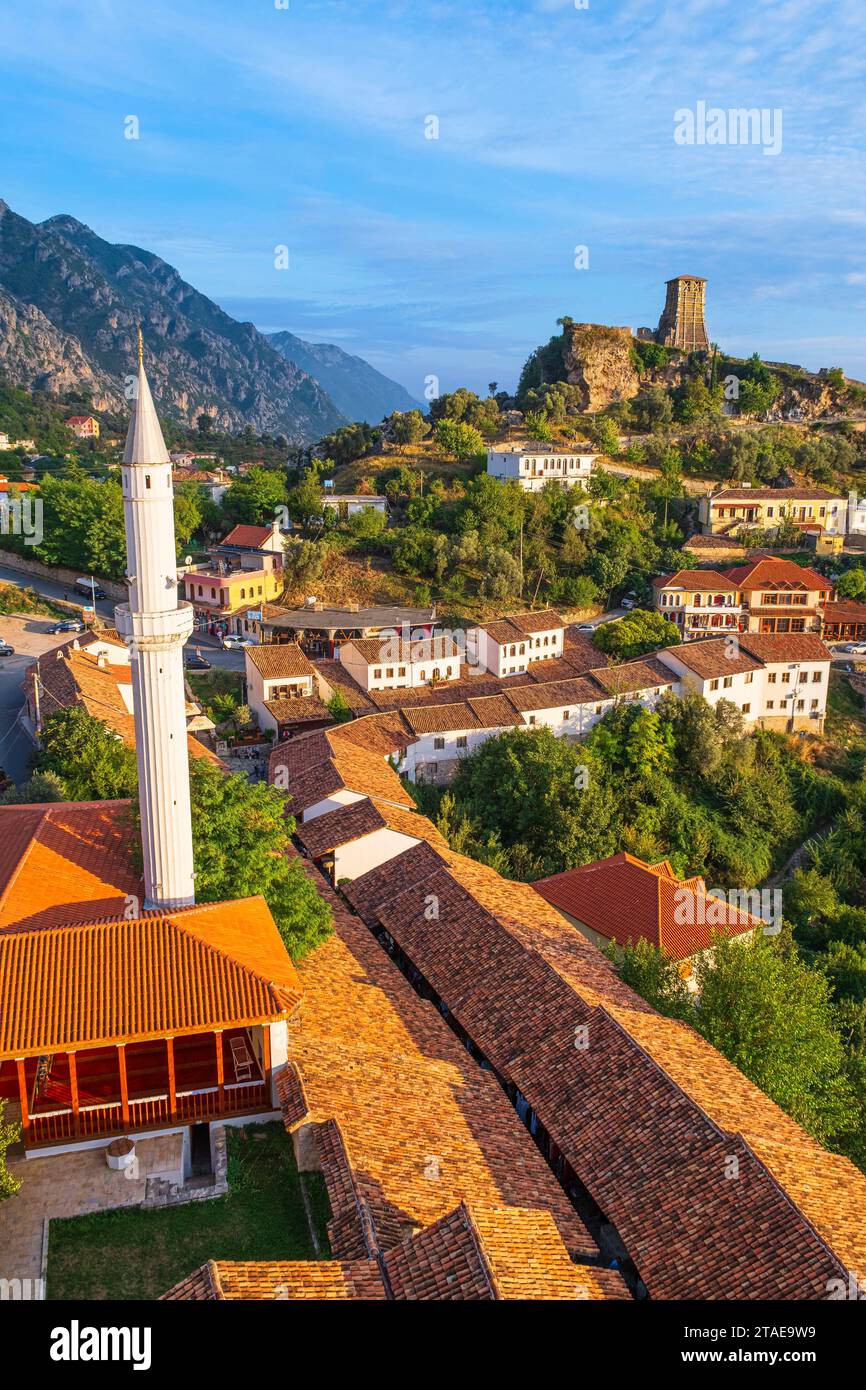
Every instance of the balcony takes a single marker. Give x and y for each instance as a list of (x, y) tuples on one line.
[(101, 1092)]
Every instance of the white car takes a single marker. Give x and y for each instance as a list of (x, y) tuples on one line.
[(233, 643), (855, 648)]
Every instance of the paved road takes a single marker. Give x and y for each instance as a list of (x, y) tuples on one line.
[(31, 638)]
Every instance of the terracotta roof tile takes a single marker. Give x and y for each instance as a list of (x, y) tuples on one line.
[(625, 899), (279, 659), (327, 832), (186, 971)]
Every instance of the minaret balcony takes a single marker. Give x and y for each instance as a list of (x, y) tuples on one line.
[(172, 626)]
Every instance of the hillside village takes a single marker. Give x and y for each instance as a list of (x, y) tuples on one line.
[(437, 813)]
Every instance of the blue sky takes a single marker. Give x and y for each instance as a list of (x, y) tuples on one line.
[(305, 127)]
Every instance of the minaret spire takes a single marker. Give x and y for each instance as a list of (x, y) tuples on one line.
[(155, 626)]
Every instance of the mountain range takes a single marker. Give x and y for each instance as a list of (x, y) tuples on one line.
[(70, 307)]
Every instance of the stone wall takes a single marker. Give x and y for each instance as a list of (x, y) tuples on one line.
[(10, 559)]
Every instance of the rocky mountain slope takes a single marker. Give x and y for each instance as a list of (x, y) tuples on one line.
[(70, 314), (355, 387)]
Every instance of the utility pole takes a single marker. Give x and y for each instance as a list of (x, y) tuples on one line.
[(36, 701)]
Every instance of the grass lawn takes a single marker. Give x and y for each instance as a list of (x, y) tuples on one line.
[(217, 681), (137, 1254)]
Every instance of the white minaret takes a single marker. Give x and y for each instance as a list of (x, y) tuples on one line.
[(155, 626)]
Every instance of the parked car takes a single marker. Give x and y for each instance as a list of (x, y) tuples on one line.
[(630, 601), (855, 648), (232, 642), (197, 662), (69, 625), (5, 649), (585, 627)]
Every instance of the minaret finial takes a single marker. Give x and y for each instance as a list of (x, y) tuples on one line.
[(140, 347)]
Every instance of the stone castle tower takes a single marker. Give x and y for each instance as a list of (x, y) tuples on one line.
[(155, 626), (682, 323)]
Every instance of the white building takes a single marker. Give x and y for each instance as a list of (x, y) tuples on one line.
[(777, 681), (507, 646), (533, 465), (351, 504), (391, 663), (856, 515), (276, 674)]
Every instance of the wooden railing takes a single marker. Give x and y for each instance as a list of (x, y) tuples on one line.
[(93, 1121)]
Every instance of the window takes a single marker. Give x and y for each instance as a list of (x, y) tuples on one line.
[(728, 682), (747, 709), (199, 591), (566, 714), (769, 511), (598, 709), (801, 704), (401, 670), (389, 673), (438, 743), (816, 676), (815, 704), (714, 685), (750, 676), (377, 674), (461, 740), (771, 678), (147, 480), (532, 719), (771, 704), (786, 677)]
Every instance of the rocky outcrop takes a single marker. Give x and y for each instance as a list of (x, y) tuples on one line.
[(94, 295), (39, 357), (598, 360)]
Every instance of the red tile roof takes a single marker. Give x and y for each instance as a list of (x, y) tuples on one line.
[(249, 537), (648, 1115), (185, 971), (624, 899), (279, 659), (65, 862), (695, 579), (767, 572)]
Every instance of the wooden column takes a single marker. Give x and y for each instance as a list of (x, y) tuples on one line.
[(22, 1091), (73, 1087), (266, 1054), (124, 1085), (221, 1081), (172, 1093)]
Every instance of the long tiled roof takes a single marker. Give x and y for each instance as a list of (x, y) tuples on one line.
[(518, 626), (375, 650), (804, 492), (715, 657), (785, 646), (408, 1127), (327, 832), (652, 1119), (292, 1280), (676, 914), (185, 971)]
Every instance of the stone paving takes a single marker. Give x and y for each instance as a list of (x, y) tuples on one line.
[(72, 1184)]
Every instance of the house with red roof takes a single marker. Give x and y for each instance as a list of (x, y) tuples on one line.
[(119, 1020), (625, 900), (83, 426), (767, 595)]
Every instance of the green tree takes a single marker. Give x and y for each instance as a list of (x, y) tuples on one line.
[(254, 498), (773, 1017), (605, 435), (91, 762), (9, 1134), (338, 707), (407, 428), (852, 584), (460, 440), (649, 971), (241, 835), (537, 425), (188, 513), (638, 632)]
